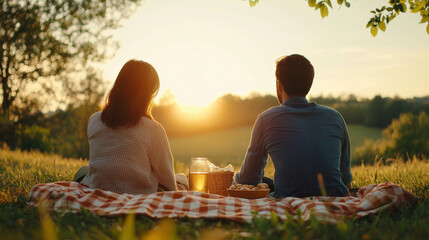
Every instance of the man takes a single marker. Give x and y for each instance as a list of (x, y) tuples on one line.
[(308, 143)]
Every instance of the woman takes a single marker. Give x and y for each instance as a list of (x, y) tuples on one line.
[(129, 151)]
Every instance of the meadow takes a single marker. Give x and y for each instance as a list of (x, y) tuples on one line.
[(19, 171), (230, 146)]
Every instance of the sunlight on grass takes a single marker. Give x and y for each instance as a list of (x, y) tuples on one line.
[(166, 230), (412, 175), (215, 234), (19, 171)]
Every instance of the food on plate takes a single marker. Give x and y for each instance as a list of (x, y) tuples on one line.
[(245, 187)]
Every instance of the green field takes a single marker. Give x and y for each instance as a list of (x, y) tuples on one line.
[(230, 146), (19, 171)]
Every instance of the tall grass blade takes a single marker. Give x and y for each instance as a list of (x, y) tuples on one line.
[(128, 232), (48, 226), (321, 184)]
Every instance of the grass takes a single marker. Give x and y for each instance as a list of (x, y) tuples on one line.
[(19, 171)]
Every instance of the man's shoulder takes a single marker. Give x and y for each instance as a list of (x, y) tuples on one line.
[(271, 111), (326, 109), (330, 113), (315, 107)]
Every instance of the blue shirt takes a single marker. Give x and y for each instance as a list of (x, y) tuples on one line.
[(303, 140)]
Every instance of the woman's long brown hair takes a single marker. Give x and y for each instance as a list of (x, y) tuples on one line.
[(131, 96)]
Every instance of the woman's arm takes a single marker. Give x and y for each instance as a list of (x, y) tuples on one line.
[(161, 159)]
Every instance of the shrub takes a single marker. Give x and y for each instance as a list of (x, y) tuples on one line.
[(369, 152), (35, 137), (408, 136), (405, 137)]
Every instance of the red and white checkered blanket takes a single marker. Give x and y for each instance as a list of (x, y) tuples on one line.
[(73, 196)]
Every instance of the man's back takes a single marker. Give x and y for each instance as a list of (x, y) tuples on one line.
[(304, 140)]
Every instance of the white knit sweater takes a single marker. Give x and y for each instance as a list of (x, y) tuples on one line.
[(129, 160)]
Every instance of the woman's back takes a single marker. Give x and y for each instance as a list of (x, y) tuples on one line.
[(129, 160)]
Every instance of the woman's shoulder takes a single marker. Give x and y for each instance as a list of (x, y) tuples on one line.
[(148, 122), (94, 124), (155, 127), (96, 117)]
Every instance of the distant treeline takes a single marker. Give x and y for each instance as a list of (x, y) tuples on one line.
[(376, 112), (231, 111), (64, 131)]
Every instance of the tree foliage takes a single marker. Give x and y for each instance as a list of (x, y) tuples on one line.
[(385, 14), (406, 137), (41, 40), (382, 16)]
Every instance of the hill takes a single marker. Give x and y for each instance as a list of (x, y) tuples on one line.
[(229, 146)]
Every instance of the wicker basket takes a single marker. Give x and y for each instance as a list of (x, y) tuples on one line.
[(219, 182)]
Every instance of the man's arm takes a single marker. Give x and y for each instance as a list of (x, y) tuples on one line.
[(252, 169), (345, 160)]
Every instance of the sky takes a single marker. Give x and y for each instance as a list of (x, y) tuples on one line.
[(203, 49)]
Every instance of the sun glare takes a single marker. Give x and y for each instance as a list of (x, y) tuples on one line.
[(193, 112)]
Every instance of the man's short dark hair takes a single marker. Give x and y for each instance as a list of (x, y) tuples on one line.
[(295, 73)]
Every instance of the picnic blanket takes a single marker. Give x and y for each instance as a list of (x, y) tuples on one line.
[(72, 196)]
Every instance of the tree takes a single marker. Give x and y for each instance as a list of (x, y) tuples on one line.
[(376, 113), (408, 135), (382, 16), (43, 40)]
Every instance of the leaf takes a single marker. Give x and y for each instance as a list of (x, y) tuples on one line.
[(369, 24), (374, 31), (253, 3), (311, 3), (318, 5), (414, 9), (274, 218), (427, 28), (347, 4), (397, 8), (329, 3), (340, 2), (324, 11), (382, 26), (404, 7)]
